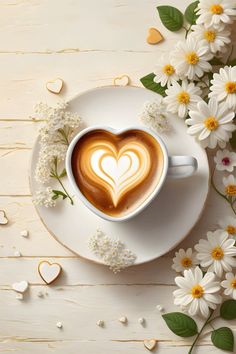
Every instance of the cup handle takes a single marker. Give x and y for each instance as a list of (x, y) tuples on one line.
[(189, 162)]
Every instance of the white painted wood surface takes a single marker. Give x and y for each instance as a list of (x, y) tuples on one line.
[(87, 43)]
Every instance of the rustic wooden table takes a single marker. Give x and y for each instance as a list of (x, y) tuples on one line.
[(87, 43)]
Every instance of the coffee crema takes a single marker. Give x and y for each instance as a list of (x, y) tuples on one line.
[(117, 172)]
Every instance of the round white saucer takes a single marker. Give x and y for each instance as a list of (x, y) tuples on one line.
[(168, 219)]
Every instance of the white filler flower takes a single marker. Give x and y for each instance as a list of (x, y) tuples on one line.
[(190, 58), (225, 160), (197, 292), (165, 72), (230, 285), (182, 97), (154, 115), (230, 185), (224, 86), (216, 13), (217, 252), (229, 224), (216, 39), (184, 260), (211, 123)]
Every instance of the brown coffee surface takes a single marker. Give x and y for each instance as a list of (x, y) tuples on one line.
[(117, 173)]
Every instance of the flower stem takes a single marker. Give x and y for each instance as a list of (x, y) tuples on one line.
[(200, 332), (54, 174)]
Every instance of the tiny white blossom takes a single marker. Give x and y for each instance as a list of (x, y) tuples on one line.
[(230, 285), (44, 197), (154, 116), (184, 260), (225, 160), (197, 292), (228, 224), (217, 252)]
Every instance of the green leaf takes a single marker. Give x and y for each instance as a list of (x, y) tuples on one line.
[(228, 308), (232, 141), (59, 194), (181, 324), (223, 338), (190, 13), (216, 61), (63, 173), (171, 17), (148, 82), (232, 62)]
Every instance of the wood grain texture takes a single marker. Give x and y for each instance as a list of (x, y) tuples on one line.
[(87, 43)]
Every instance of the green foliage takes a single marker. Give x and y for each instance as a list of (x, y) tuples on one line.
[(171, 17), (223, 338), (181, 324), (148, 82), (58, 194), (228, 310), (190, 13)]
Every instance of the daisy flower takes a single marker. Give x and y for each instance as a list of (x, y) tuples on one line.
[(230, 185), (165, 73), (182, 97), (197, 292), (211, 123), (190, 58), (217, 252), (215, 38), (228, 224), (184, 260), (225, 160), (230, 285), (224, 86), (216, 13)]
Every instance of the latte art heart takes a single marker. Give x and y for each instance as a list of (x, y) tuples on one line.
[(117, 172)]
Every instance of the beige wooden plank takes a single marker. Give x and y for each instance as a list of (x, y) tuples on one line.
[(17, 134)]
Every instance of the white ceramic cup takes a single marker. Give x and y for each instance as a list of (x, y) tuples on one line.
[(186, 165)]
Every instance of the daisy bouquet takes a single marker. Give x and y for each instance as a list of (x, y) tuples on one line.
[(197, 82)]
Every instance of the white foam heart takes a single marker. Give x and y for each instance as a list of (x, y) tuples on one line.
[(3, 218), (21, 286), (49, 271)]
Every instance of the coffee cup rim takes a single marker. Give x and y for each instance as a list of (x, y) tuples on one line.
[(115, 131)]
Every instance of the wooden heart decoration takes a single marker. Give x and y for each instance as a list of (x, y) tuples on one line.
[(49, 272), (55, 86), (122, 80), (3, 218), (116, 172), (21, 286), (154, 36), (150, 344)]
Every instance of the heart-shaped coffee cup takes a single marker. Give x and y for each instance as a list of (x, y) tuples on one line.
[(117, 173)]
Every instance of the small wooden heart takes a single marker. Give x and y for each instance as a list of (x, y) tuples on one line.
[(20, 287), (123, 80), (154, 36), (3, 218), (55, 86), (150, 344), (49, 272)]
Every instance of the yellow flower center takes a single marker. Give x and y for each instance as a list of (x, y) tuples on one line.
[(216, 9), (230, 87), (197, 291), (183, 97), (233, 283), (217, 253), (168, 69), (231, 229), (210, 36), (192, 58), (230, 189), (186, 262), (211, 123)]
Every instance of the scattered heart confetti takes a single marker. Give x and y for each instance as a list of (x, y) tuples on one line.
[(59, 325), (49, 272), (100, 323), (55, 86), (154, 36), (24, 233), (123, 319), (123, 80), (17, 254), (141, 320), (3, 218), (21, 286), (150, 344)]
